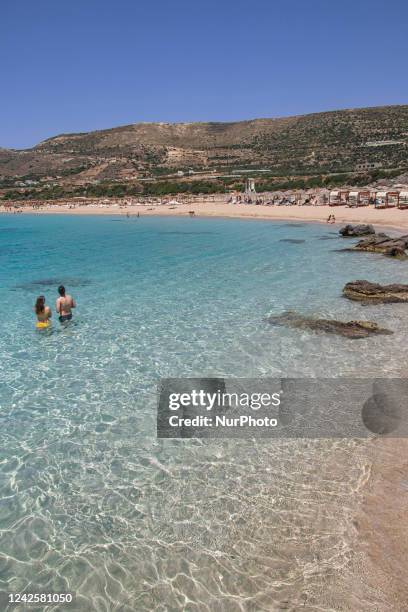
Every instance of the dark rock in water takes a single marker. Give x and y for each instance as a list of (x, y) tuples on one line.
[(349, 329), (326, 237), (53, 282), (291, 240), (180, 233), (381, 243), (356, 230), (373, 293)]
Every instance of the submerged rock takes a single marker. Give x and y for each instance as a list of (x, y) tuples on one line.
[(53, 282), (292, 240), (356, 230), (384, 244), (348, 329), (374, 293)]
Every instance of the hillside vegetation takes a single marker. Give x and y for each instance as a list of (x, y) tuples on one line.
[(287, 149)]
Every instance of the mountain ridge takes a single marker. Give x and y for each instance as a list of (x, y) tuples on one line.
[(329, 142), (208, 123)]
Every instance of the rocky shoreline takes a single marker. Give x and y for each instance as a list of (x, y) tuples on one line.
[(347, 329), (374, 293), (362, 291), (375, 242)]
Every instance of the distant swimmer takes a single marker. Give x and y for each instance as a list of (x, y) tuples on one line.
[(64, 305), (43, 313)]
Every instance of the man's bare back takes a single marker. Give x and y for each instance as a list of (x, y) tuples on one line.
[(64, 305)]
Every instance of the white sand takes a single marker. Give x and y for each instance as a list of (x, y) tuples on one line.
[(390, 217)]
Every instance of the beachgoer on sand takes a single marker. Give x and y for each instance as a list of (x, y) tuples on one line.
[(64, 305), (43, 313)]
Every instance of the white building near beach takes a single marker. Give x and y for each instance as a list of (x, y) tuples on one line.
[(250, 186)]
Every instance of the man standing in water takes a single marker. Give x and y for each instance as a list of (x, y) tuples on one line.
[(64, 305)]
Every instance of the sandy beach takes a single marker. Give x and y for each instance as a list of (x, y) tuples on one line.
[(381, 540), (389, 217)]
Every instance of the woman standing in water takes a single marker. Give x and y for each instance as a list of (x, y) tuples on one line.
[(43, 313)]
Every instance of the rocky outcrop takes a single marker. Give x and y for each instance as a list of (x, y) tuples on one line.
[(353, 231), (373, 293), (349, 329), (375, 243), (384, 244)]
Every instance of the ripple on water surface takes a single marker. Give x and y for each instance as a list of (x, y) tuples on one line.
[(90, 500)]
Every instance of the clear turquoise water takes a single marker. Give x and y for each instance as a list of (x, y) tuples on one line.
[(90, 500)]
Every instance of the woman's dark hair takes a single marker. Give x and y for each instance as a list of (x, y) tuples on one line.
[(40, 304), (61, 290)]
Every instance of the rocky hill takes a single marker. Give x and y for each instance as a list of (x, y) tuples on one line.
[(352, 140)]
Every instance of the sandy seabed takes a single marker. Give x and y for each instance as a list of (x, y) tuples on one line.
[(381, 524)]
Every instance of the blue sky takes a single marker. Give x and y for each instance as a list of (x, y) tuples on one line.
[(81, 65)]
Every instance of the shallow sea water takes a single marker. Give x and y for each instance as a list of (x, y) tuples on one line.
[(91, 501)]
